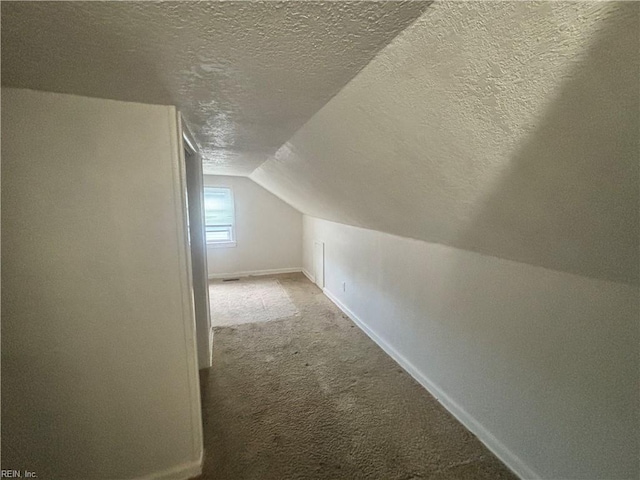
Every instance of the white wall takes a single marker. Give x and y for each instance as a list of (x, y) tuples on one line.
[(268, 231), (541, 365), (99, 373)]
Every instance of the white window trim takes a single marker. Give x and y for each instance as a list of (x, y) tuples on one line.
[(233, 243), (222, 244)]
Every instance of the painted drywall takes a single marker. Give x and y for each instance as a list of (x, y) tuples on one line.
[(543, 366), (99, 368), (505, 128), (268, 232), (246, 75)]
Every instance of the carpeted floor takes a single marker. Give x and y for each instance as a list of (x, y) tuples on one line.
[(248, 300), (312, 397)]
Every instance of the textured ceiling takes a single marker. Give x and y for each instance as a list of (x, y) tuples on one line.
[(246, 75), (505, 128)]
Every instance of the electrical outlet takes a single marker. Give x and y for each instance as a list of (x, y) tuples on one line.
[(344, 286)]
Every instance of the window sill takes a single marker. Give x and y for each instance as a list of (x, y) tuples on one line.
[(221, 244)]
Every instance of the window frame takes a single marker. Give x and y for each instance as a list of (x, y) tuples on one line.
[(226, 243)]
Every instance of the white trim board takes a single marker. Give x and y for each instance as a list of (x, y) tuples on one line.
[(309, 276), (211, 333), (181, 472), (510, 459), (186, 284), (254, 273)]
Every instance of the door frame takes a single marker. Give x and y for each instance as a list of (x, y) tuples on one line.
[(186, 282), (194, 184)]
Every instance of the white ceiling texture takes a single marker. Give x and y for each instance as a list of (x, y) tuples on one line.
[(246, 75), (505, 128)]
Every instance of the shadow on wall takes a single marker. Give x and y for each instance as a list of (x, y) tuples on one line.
[(64, 68), (577, 177), (37, 416)]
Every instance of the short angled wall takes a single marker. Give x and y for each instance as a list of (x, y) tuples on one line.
[(502, 452), (541, 365)]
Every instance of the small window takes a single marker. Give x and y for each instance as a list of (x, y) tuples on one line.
[(219, 216)]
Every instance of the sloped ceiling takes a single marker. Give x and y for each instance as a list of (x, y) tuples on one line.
[(246, 75), (505, 128)]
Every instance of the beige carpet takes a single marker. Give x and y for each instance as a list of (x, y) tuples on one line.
[(311, 397), (249, 300)]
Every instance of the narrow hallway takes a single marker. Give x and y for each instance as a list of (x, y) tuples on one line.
[(310, 396)]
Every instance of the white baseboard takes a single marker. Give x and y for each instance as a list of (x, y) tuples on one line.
[(509, 458), (309, 276), (181, 472), (254, 273)]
